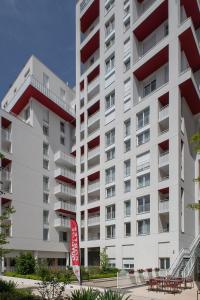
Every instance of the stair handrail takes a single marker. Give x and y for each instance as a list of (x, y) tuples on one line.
[(176, 261), (190, 264)]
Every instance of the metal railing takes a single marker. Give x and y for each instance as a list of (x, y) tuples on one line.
[(65, 173), (5, 134), (93, 84), (60, 222), (94, 186), (164, 206), (164, 158), (66, 157), (95, 151), (93, 220), (65, 206), (164, 112), (65, 189), (93, 118), (83, 4)]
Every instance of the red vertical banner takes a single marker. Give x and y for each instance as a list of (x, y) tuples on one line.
[(74, 249)]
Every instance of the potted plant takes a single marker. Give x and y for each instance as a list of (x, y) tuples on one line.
[(149, 272), (156, 270), (140, 271), (131, 271), (140, 276)]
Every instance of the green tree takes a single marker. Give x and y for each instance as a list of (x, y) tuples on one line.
[(104, 261), (25, 263), (195, 141)]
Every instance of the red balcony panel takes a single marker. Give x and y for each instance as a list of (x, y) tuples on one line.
[(93, 143), (82, 85), (152, 64), (190, 48), (73, 153), (44, 100), (164, 190), (192, 10), (189, 92), (82, 150), (67, 212), (157, 17), (89, 16), (164, 99), (5, 162), (93, 74), (5, 200), (5, 123), (94, 176), (90, 47), (82, 117), (66, 179), (94, 108), (164, 145), (94, 209)]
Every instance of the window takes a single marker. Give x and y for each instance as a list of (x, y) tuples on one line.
[(127, 87), (143, 162), (127, 145), (45, 234), (45, 197), (127, 186), (110, 100), (110, 232), (45, 149), (109, 26), (110, 137), (127, 208), (62, 94), (45, 183), (127, 229), (112, 263), (110, 191), (149, 87), (164, 263), (127, 64), (62, 140), (45, 130), (110, 64), (143, 204), (127, 46), (127, 23), (62, 127), (45, 217), (127, 168), (110, 154), (110, 212), (128, 263), (143, 118), (127, 127), (62, 236), (46, 80), (143, 227), (109, 5), (110, 175), (27, 113), (126, 10), (143, 137), (143, 180), (110, 42), (45, 164)]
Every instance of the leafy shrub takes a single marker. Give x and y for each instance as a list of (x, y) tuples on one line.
[(111, 295), (7, 286), (25, 263), (89, 294)]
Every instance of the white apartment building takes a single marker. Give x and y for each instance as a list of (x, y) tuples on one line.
[(137, 105), (38, 171)]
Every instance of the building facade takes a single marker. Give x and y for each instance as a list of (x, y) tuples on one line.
[(137, 105), (38, 172)]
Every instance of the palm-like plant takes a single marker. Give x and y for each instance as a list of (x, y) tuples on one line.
[(111, 295), (89, 294)]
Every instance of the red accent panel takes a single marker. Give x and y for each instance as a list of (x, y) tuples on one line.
[(94, 108), (66, 212), (164, 190), (90, 47), (157, 17), (5, 200), (82, 117), (82, 85), (94, 209), (164, 145), (189, 92), (5, 162), (164, 99), (90, 16), (44, 100), (188, 45), (94, 176), (93, 143), (66, 179), (5, 123), (93, 74), (192, 10), (158, 60)]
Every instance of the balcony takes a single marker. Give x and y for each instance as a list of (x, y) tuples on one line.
[(164, 206), (89, 10), (62, 223), (94, 186), (65, 191), (87, 35), (5, 175), (65, 159), (164, 159), (163, 222), (192, 9), (93, 234), (94, 220), (189, 41), (93, 87), (189, 84), (141, 7), (5, 140), (94, 152), (65, 207), (90, 47), (153, 17), (93, 118), (31, 87), (163, 113), (65, 175)]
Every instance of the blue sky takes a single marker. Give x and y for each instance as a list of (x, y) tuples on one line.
[(45, 28)]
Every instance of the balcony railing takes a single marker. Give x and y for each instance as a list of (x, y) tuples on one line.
[(143, 7), (164, 113), (144, 166), (94, 186), (92, 153), (83, 4), (64, 157), (93, 118), (94, 237), (5, 134), (65, 173), (31, 80), (5, 175), (65, 206), (164, 206), (95, 220), (164, 158), (65, 189), (93, 84), (60, 222)]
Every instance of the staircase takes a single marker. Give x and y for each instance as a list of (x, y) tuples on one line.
[(184, 264)]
